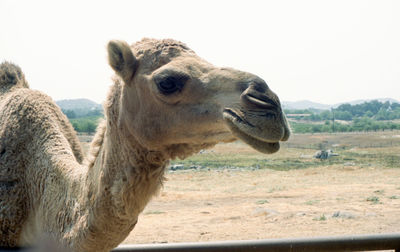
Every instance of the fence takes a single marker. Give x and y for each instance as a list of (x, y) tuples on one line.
[(338, 243), (321, 244)]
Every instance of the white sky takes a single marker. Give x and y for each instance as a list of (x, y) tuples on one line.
[(324, 51)]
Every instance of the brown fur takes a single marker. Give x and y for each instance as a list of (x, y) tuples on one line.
[(44, 188), (26, 114)]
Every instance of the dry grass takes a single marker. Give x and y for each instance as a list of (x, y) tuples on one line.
[(379, 150), (237, 205), (236, 193)]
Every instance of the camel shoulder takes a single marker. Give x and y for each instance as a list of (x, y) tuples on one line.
[(32, 109), (28, 100)]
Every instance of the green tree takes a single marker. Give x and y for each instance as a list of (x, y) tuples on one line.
[(90, 127), (70, 114), (326, 115)]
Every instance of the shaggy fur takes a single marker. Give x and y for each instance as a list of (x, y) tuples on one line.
[(45, 189), (30, 121)]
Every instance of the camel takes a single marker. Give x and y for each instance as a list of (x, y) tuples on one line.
[(165, 103)]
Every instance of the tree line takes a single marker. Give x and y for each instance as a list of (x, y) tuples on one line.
[(374, 109), (368, 116), (84, 120), (359, 124)]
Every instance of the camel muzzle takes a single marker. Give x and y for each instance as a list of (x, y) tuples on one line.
[(259, 121)]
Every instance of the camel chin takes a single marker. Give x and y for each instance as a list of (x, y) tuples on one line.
[(243, 131)]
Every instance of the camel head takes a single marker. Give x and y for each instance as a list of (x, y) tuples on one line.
[(173, 99)]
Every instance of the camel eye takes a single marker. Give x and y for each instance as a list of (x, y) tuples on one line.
[(171, 84)]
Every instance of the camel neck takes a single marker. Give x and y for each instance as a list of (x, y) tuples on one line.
[(121, 181)]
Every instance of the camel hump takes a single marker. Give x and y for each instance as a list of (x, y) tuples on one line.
[(11, 77)]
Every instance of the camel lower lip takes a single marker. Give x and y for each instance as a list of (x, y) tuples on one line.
[(259, 145)]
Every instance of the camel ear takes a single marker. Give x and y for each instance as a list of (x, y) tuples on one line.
[(121, 59)]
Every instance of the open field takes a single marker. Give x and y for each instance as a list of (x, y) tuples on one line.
[(232, 192)]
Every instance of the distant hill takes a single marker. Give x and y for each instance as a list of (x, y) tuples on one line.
[(78, 108), (306, 104), (78, 104)]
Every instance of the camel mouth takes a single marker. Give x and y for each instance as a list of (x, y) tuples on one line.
[(241, 128)]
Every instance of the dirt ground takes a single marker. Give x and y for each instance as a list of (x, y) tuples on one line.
[(260, 204)]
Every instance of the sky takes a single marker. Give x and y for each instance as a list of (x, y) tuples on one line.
[(323, 51)]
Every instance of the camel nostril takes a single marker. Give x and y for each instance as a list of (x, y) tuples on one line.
[(259, 101), (259, 85), (253, 98), (242, 86)]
